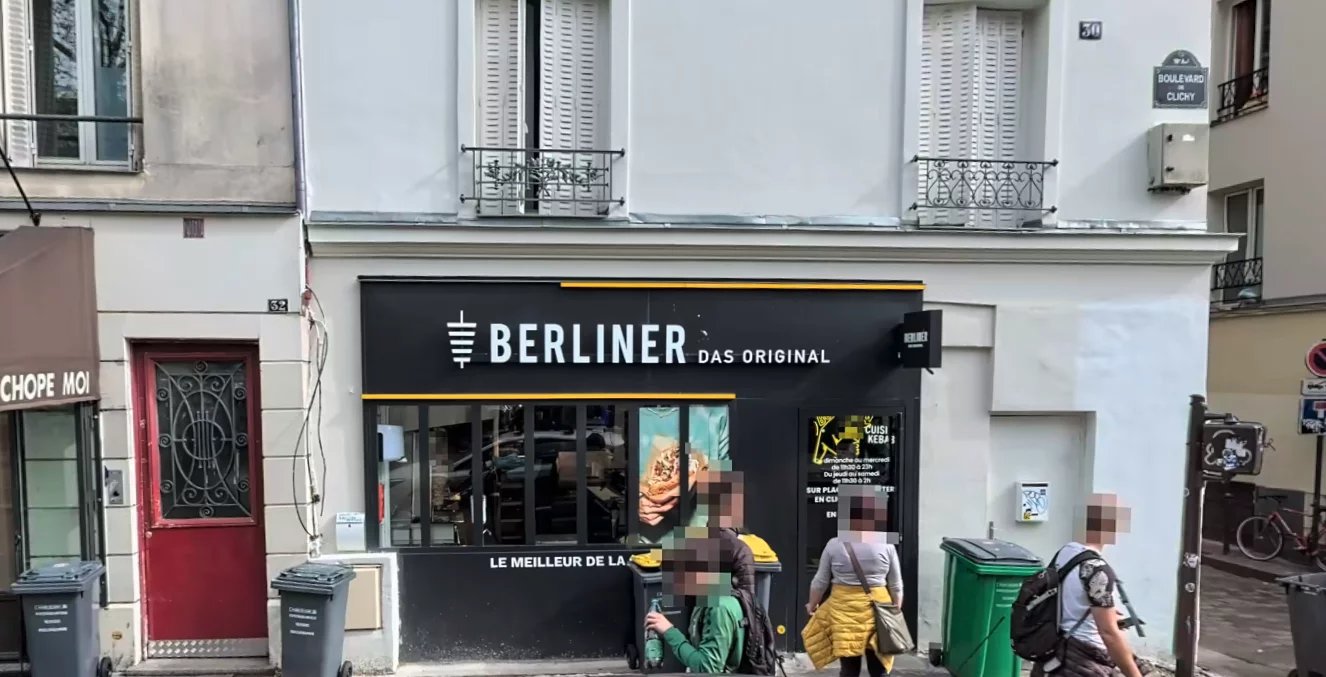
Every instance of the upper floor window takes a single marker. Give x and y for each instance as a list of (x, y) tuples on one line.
[(1239, 278), (1249, 37), (1249, 59), (542, 103), (66, 82), (972, 161)]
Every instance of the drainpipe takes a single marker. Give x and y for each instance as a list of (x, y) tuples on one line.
[(297, 105), (301, 195)]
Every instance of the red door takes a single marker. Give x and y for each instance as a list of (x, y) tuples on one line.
[(203, 554)]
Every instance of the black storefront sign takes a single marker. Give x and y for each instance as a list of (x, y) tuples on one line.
[(920, 339), (803, 380), (1179, 81)]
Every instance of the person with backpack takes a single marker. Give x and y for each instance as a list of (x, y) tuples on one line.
[(700, 567), (1066, 618), (842, 627), (722, 496)]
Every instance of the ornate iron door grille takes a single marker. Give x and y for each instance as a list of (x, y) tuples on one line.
[(202, 439)]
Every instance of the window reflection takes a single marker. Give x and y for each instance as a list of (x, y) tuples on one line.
[(449, 492), (398, 475), (55, 67), (606, 467)]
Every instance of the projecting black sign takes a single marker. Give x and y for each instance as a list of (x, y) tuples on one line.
[(1179, 82), (1233, 448), (920, 339)]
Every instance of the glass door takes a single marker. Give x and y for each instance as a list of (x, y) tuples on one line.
[(842, 447)]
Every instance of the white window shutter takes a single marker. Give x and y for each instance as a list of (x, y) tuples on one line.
[(16, 35), (947, 80), (501, 105), (570, 117), (998, 81)]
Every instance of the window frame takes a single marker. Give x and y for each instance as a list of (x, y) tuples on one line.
[(91, 501), (1261, 9), (85, 18), (1252, 247), (373, 496)]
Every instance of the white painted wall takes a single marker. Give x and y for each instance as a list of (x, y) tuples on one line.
[(1032, 448), (1104, 107), (1120, 345), (772, 108), (380, 92)]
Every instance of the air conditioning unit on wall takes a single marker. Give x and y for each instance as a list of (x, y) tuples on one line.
[(1177, 156)]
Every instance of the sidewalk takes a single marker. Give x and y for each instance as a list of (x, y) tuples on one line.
[(1245, 618), (1235, 563)]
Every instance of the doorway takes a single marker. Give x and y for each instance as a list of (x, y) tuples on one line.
[(203, 550), (840, 446), (48, 502)]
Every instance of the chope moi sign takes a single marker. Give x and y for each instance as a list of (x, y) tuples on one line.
[(24, 388)]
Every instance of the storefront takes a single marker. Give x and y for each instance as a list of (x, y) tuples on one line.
[(48, 392), (574, 394)]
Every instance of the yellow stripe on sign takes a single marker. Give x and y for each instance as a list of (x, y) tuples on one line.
[(548, 396), (795, 286)]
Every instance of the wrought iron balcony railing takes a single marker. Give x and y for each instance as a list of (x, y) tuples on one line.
[(1244, 94), (542, 181), (979, 192), (1235, 281)]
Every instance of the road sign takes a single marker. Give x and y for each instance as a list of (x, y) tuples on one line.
[(1316, 360), (1312, 416), (1314, 387)]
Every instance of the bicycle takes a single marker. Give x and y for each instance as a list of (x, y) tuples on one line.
[(1262, 537)]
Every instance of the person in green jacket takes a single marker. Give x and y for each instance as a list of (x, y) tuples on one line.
[(697, 566)]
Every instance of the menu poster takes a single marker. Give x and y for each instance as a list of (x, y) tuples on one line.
[(662, 503)]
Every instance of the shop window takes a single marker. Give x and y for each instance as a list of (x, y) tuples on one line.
[(544, 474), (667, 487), (606, 483), (449, 476), (50, 471)]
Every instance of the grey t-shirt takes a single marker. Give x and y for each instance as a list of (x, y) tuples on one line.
[(879, 561), (1091, 585)]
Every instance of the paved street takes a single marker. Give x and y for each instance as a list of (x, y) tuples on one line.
[(1245, 627)]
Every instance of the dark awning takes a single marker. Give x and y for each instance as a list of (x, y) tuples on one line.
[(48, 318)]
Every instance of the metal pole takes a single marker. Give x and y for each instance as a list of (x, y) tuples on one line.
[(1316, 495), (1189, 575), (1227, 522)]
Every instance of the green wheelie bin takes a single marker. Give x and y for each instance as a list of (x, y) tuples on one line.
[(981, 579)]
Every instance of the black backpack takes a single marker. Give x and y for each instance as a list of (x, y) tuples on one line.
[(1034, 623), (758, 655)]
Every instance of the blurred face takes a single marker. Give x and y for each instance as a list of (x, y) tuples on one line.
[(862, 508), (1107, 517), (694, 565), (723, 493)]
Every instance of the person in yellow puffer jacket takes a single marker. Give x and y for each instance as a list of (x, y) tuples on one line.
[(842, 627)]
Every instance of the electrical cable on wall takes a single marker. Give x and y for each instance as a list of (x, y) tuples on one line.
[(321, 351)]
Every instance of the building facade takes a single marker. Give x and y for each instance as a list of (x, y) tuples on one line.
[(576, 236), (1267, 297), (162, 130), (438, 305)]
